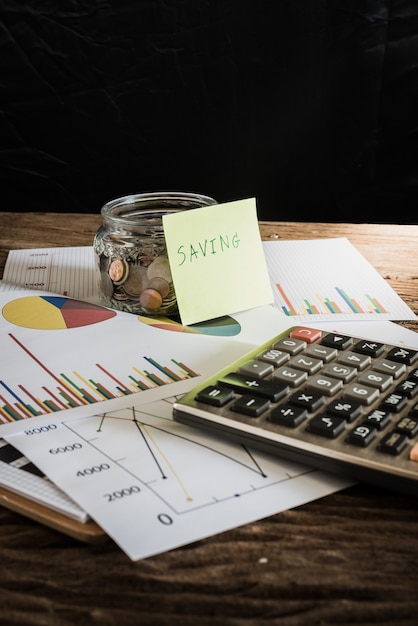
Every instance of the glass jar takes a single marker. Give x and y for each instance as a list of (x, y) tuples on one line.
[(131, 254)]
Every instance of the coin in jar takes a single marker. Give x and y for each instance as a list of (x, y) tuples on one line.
[(160, 267), (150, 300), (160, 284), (118, 271), (120, 295), (106, 285), (134, 284), (104, 263)]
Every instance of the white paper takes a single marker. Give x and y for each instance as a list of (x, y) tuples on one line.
[(40, 490), (65, 271), (153, 484), (328, 279), (84, 364)]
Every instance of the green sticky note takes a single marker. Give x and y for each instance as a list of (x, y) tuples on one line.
[(217, 260)]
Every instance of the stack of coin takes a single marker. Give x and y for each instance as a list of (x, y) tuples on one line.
[(139, 285)]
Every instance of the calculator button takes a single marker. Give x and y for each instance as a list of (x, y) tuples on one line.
[(251, 405), (389, 367), (394, 402), (324, 353), (372, 348), (338, 370), (324, 384), (311, 401), (379, 418), (327, 425), (362, 435), (359, 361), (349, 410), (215, 396), (403, 355), (413, 375), (408, 388), (256, 368), (361, 393), (288, 415), (273, 356), (238, 382), (340, 342), (310, 335), (393, 443), (306, 363), (376, 379), (407, 426), (290, 376), (292, 346)]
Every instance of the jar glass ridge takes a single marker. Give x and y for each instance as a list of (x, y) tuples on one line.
[(131, 253)]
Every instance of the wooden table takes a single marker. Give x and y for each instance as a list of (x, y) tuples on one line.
[(349, 558)]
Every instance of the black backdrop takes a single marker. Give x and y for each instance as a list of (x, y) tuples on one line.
[(311, 106)]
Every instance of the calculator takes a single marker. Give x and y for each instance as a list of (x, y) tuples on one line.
[(328, 400)]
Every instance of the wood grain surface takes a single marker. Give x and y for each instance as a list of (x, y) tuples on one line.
[(349, 558)]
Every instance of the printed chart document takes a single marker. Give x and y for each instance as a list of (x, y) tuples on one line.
[(153, 484), (328, 279), (79, 358), (64, 271), (178, 483)]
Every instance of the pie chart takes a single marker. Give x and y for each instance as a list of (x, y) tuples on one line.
[(53, 313)]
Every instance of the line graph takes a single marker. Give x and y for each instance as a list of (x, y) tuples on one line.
[(162, 461), (153, 484)]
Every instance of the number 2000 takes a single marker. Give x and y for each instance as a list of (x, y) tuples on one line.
[(126, 491)]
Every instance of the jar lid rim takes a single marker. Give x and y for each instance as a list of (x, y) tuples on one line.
[(163, 196)]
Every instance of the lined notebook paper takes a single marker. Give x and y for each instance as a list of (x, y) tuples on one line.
[(21, 476)]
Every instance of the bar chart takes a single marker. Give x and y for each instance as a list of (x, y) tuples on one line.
[(65, 391), (320, 280), (340, 303)]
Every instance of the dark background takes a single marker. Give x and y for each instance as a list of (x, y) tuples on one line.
[(311, 106)]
